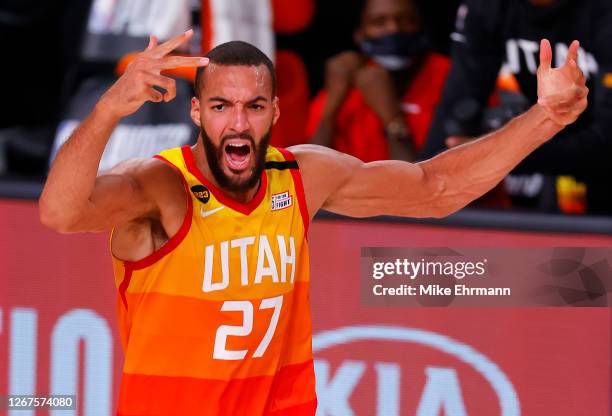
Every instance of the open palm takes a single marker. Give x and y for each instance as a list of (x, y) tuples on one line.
[(562, 91)]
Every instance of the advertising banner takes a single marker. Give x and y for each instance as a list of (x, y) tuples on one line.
[(58, 333)]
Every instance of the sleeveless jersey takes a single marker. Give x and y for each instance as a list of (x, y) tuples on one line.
[(217, 321)]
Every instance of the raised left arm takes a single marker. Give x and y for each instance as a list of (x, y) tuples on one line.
[(449, 181)]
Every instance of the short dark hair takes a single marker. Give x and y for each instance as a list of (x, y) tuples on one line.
[(236, 52)]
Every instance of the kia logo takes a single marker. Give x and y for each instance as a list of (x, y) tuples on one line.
[(442, 389)]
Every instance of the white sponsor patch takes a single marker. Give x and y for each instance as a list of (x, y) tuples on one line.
[(281, 201)]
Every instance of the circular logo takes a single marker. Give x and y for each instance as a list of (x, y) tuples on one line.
[(504, 390), (201, 192)]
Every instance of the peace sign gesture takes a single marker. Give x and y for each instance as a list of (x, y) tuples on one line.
[(562, 92), (135, 86)]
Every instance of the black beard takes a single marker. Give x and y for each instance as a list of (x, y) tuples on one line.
[(214, 156)]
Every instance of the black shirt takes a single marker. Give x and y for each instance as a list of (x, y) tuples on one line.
[(490, 33)]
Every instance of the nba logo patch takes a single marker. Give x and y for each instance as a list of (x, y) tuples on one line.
[(281, 201)]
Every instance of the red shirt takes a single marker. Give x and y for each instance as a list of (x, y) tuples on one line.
[(359, 132)]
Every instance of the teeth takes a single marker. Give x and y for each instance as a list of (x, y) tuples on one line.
[(236, 145)]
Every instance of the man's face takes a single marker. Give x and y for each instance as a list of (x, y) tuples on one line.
[(235, 113), (385, 17)]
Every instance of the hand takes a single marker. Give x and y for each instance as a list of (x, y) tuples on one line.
[(379, 92), (135, 86), (340, 73), (562, 92)]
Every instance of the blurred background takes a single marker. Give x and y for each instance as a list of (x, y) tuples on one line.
[(380, 79)]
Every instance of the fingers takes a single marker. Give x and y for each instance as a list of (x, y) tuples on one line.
[(565, 99), (545, 55), (152, 42), (579, 76), (572, 54), (168, 84), (564, 108), (182, 61), (170, 45), (153, 95)]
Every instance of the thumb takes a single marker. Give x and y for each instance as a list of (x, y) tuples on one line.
[(545, 54), (152, 42)]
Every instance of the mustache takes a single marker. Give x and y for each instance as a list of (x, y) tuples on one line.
[(243, 136)]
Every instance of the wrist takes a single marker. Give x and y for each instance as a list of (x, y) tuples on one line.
[(547, 123), (397, 130), (332, 105), (105, 110)]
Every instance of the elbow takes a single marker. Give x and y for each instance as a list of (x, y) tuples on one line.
[(56, 219), (444, 212), (447, 200), (436, 188), (441, 202)]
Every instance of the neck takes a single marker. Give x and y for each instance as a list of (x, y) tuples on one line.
[(201, 161), (403, 79)]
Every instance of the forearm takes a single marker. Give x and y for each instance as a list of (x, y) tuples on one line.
[(73, 173), (466, 172), (324, 133)]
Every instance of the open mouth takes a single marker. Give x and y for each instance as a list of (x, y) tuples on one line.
[(238, 154)]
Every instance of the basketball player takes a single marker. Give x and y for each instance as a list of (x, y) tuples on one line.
[(209, 242)]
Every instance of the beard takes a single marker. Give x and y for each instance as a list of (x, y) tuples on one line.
[(214, 156)]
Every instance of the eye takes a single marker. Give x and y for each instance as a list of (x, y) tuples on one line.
[(256, 106), (218, 107)]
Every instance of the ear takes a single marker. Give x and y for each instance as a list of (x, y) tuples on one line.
[(195, 111), (276, 110)]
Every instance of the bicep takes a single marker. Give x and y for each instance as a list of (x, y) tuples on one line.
[(343, 184), (119, 196), (388, 187)]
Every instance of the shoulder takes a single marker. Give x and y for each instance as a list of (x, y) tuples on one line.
[(323, 171), (163, 189), (155, 186), (147, 173), (312, 156)]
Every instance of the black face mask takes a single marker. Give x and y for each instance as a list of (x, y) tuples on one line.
[(396, 51)]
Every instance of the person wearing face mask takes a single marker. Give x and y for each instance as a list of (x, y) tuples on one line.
[(378, 103)]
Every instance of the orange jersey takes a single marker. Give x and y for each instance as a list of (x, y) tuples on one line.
[(217, 321)]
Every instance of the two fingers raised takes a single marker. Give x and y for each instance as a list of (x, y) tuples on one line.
[(154, 60)]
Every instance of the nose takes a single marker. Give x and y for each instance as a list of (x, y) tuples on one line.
[(240, 119), (392, 25)]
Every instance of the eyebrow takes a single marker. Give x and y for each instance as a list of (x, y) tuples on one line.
[(225, 100)]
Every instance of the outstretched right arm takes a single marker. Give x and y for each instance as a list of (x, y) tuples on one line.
[(75, 198)]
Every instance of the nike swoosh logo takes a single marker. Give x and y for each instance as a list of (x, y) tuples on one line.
[(204, 213)]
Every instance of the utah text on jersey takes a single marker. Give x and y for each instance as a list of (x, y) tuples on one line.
[(217, 321)]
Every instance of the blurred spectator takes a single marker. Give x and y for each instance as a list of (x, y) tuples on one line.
[(114, 28), (40, 40), (489, 32), (378, 103), (258, 22)]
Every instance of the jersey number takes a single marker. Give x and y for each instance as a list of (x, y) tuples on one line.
[(246, 307)]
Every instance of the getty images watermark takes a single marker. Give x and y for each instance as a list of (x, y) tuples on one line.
[(486, 276)]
